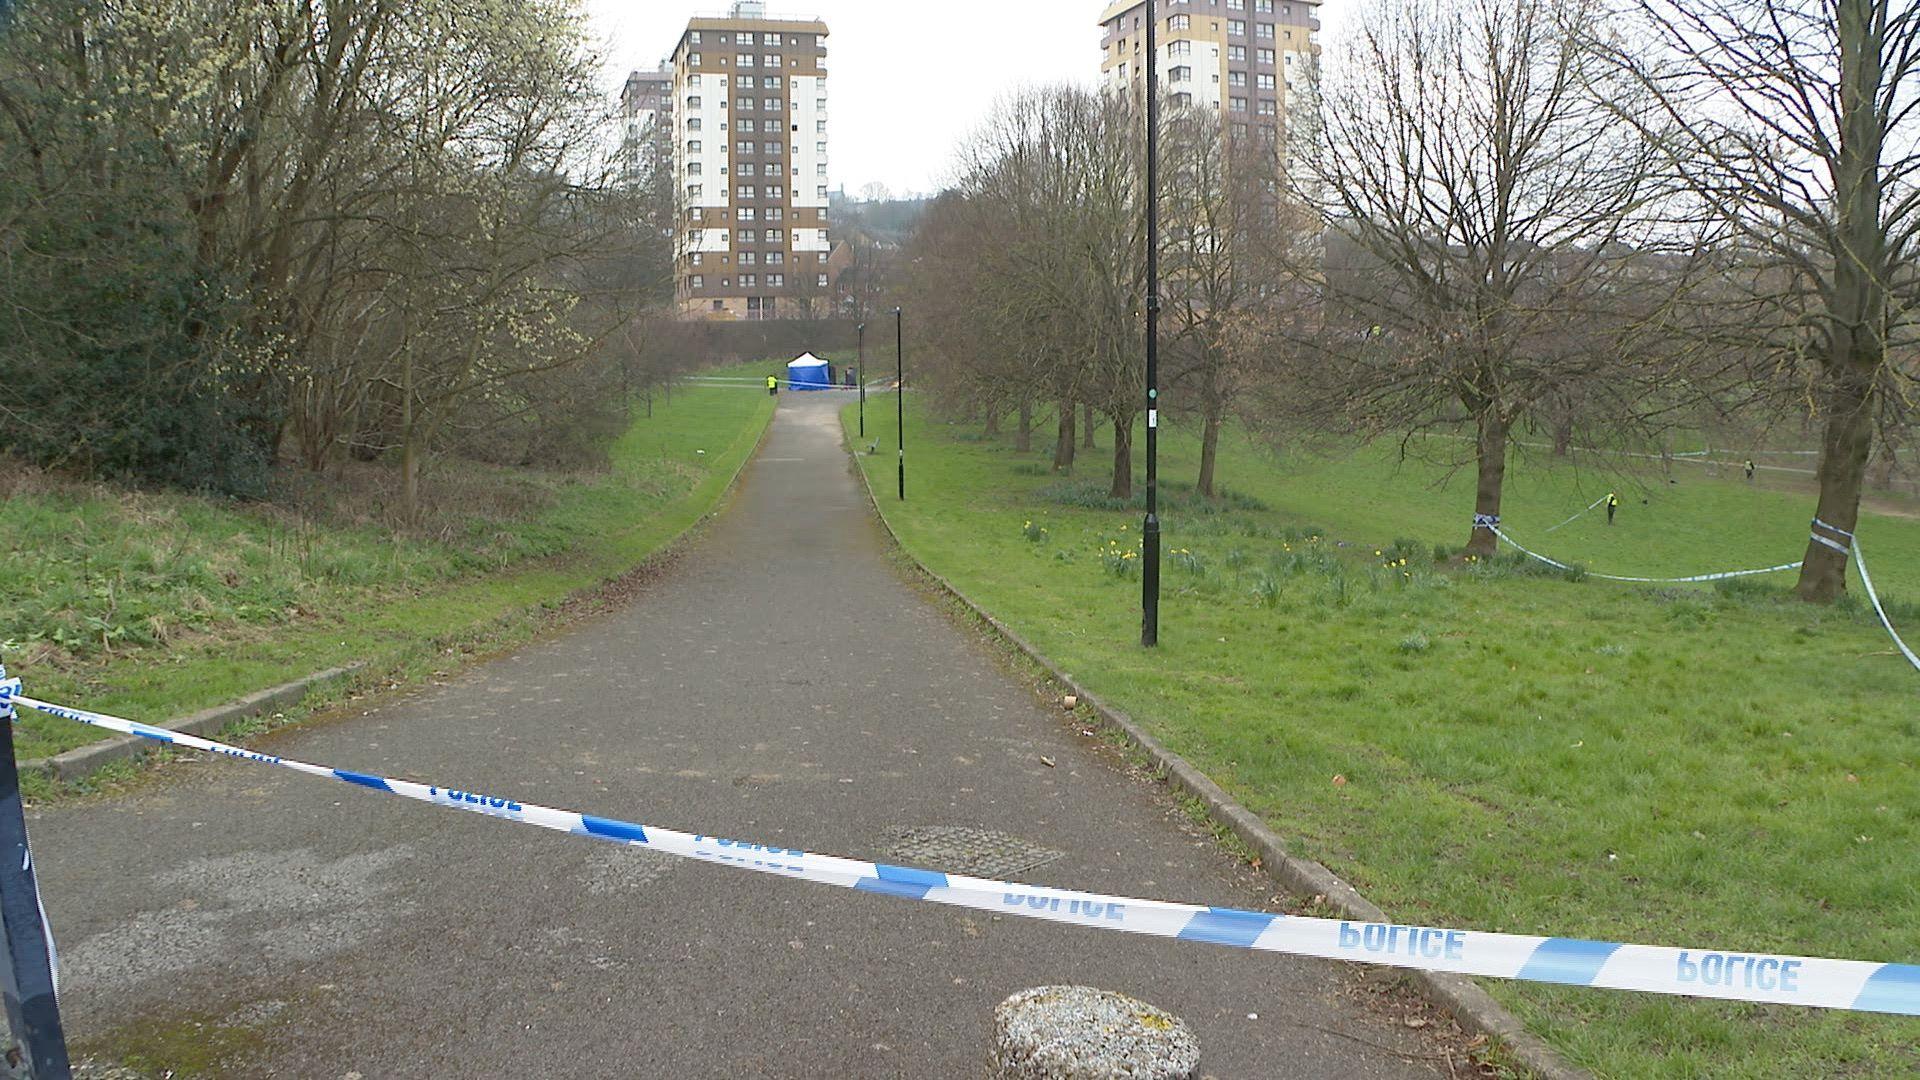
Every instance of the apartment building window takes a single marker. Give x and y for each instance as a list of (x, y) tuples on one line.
[(1264, 56), (1265, 6), (697, 281), (820, 169), (745, 168), (772, 82), (1236, 78), (694, 191), (1180, 74), (776, 236), (1264, 30), (820, 127), (743, 147), (747, 258), (743, 38), (693, 102), (1236, 5), (771, 60), (1266, 81), (820, 280), (746, 191), (748, 281), (819, 148), (693, 146), (693, 168), (773, 104), (746, 236), (1267, 108), (1180, 22), (743, 60), (696, 258), (1236, 28), (776, 147), (1237, 53), (746, 126), (776, 258), (775, 281), (1182, 100), (745, 81), (1238, 104), (776, 191), (693, 60), (820, 192), (693, 123), (693, 38), (769, 39), (693, 80), (776, 169), (694, 213), (1239, 131), (746, 213)]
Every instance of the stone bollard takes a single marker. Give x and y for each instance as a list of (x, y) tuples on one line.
[(1080, 1033)]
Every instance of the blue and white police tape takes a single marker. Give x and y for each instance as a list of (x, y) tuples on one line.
[(1720, 576), (1866, 581), (1582, 513), (1711, 973)]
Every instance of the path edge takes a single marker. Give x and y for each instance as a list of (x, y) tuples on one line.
[(1458, 995), (69, 765)]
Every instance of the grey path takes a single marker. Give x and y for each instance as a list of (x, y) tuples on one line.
[(779, 683)]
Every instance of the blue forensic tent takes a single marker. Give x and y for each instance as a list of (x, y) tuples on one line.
[(809, 372)]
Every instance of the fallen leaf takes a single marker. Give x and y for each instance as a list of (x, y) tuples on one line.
[(1415, 1022), (1339, 780)]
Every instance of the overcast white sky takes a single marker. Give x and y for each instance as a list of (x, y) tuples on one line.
[(908, 78)]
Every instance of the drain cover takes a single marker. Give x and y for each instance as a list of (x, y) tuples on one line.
[(961, 849)]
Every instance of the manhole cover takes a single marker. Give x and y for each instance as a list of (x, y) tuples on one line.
[(960, 849)]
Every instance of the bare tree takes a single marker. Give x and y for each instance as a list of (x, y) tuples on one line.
[(1485, 204), (1793, 125)]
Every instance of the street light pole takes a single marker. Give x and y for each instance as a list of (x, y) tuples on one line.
[(1150, 529), (860, 373), (900, 396)]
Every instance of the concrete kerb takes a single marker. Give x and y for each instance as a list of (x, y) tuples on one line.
[(81, 760), (1463, 999)]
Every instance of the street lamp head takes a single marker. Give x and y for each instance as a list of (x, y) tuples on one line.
[(862, 328)]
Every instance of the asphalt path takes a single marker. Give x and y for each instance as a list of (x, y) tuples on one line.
[(781, 682)]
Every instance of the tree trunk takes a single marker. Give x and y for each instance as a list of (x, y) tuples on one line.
[(1491, 452), (1843, 465), (1063, 443), (1023, 438), (993, 424), (1209, 451), (410, 481), (1562, 437), (1086, 424), (1122, 486), (409, 445)]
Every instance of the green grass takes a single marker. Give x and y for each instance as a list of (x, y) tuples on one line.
[(1721, 768), (156, 605)]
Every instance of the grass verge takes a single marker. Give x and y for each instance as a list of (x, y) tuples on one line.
[(228, 599), (1487, 745)]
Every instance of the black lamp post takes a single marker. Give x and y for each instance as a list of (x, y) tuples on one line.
[(900, 396), (1150, 529), (860, 373)]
